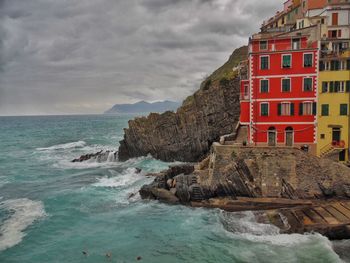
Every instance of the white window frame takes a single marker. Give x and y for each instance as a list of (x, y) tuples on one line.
[(268, 86), (291, 60), (312, 84), (246, 91), (304, 111), (327, 66), (267, 45), (290, 86), (292, 47), (290, 108), (308, 53), (268, 59), (342, 87), (268, 109)]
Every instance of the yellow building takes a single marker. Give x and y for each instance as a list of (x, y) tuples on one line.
[(334, 100)]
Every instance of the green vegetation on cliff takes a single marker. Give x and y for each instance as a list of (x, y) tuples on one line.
[(225, 72)]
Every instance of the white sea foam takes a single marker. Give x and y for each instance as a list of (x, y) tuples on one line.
[(128, 177), (70, 145), (244, 225), (25, 212)]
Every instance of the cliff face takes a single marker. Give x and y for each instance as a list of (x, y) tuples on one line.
[(188, 134)]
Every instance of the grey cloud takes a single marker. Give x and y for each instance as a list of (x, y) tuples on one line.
[(83, 56)]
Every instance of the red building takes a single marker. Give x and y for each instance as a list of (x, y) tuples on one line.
[(279, 93)]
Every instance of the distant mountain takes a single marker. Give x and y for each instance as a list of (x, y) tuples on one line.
[(144, 107)]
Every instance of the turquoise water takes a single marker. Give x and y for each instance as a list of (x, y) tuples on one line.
[(52, 210)]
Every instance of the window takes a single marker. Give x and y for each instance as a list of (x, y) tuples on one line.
[(286, 61), (286, 85), (324, 87), (264, 62), (285, 109), (325, 110), (296, 44), (307, 108), (341, 86), (322, 66), (335, 65), (264, 109), (343, 109), (263, 45), (308, 60), (323, 136), (347, 86), (336, 86), (307, 84), (335, 17), (264, 86), (348, 64)]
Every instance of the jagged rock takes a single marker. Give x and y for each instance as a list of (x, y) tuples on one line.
[(101, 156), (164, 195), (187, 135)]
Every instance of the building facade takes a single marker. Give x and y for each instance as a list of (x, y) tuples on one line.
[(279, 97), (297, 88)]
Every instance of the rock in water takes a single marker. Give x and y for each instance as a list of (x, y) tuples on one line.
[(101, 156), (188, 134)]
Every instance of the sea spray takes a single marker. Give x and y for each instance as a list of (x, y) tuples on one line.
[(24, 213)]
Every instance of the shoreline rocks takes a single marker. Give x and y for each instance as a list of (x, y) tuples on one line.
[(101, 156), (274, 181)]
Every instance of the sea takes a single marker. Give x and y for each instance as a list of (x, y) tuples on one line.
[(53, 210)]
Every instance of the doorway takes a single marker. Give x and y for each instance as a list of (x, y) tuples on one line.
[(336, 135), (289, 136), (272, 136)]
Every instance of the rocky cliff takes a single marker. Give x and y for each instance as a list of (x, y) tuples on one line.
[(187, 134), (248, 172)]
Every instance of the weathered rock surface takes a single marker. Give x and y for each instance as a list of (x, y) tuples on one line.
[(101, 156), (278, 181), (250, 172), (187, 135)]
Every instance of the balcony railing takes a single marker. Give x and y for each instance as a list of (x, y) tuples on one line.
[(335, 53)]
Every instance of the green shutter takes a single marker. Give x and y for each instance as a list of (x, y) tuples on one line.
[(264, 62), (264, 109), (292, 109), (264, 86), (308, 60), (322, 66), (279, 109), (336, 86), (348, 86), (286, 85), (325, 110), (314, 108), (348, 64), (331, 86), (343, 109), (301, 109), (324, 87), (287, 61), (307, 84)]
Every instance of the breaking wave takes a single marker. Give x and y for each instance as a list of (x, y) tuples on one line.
[(70, 145), (23, 213), (126, 178)]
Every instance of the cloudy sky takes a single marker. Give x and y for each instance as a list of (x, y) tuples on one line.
[(83, 56)]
